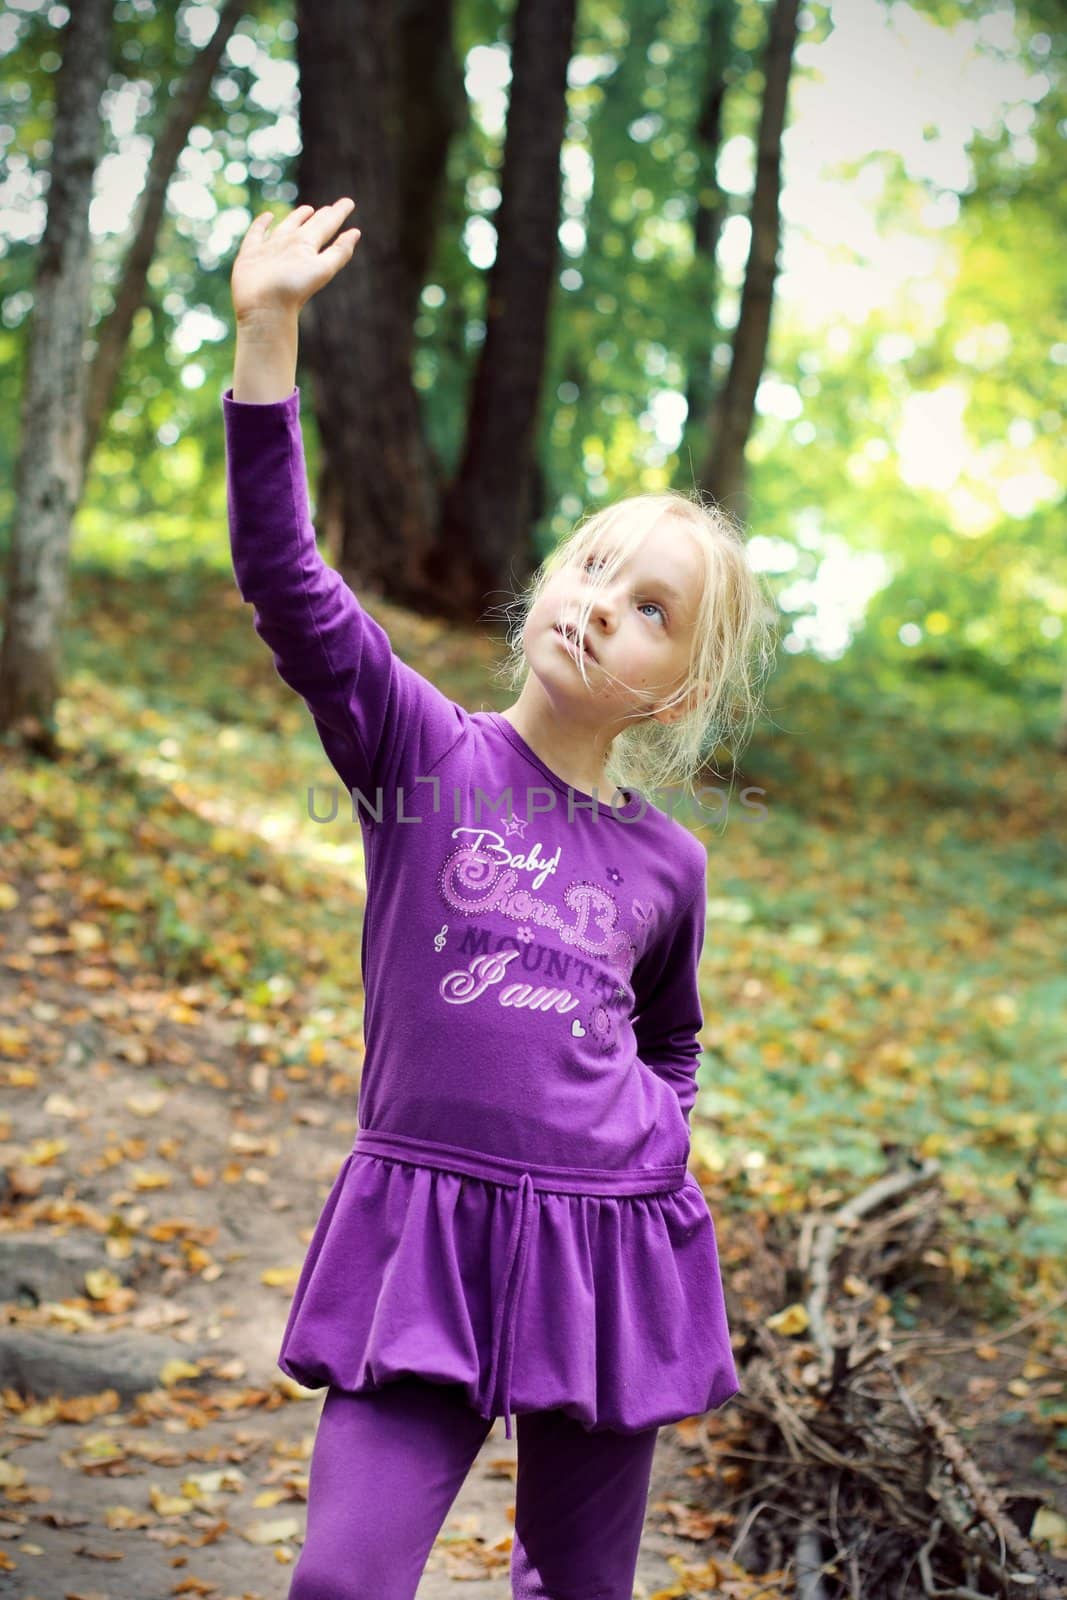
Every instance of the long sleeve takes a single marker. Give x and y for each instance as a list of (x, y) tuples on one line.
[(669, 1015), (378, 719)]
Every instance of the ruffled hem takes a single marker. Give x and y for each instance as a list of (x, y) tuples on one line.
[(620, 1320)]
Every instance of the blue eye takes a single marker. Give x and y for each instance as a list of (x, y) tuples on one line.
[(599, 561)]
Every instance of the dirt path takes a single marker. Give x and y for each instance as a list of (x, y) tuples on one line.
[(131, 1114)]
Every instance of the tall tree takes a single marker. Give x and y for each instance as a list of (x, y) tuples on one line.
[(483, 545), (708, 208), (434, 98), (48, 474), (113, 333), (722, 473), (377, 507)]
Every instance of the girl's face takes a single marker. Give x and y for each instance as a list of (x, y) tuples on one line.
[(640, 629)]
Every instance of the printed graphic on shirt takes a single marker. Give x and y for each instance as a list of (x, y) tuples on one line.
[(577, 966)]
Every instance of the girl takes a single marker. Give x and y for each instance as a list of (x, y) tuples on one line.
[(515, 1229)]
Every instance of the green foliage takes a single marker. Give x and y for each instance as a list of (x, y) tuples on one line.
[(968, 589)]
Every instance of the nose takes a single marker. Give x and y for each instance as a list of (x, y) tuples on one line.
[(605, 600), (602, 612)]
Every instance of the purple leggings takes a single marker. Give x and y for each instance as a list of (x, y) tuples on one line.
[(387, 1465)]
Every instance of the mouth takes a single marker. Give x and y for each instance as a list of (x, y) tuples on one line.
[(569, 636)]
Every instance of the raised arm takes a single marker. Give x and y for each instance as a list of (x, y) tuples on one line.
[(377, 718)]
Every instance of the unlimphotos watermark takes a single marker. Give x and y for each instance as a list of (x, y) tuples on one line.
[(539, 801)]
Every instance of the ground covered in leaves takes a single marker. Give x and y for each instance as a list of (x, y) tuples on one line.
[(180, 1047)]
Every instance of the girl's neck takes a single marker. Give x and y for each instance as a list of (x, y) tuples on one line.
[(565, 751)]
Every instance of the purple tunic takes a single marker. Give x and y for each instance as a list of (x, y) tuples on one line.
[(516, 1214)]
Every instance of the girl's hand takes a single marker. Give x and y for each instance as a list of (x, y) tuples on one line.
[(280, 269)]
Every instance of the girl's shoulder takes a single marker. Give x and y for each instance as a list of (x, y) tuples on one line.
[(672, 819)]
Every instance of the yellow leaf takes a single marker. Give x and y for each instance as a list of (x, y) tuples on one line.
[(183, 1013), (150, 1180), (122, 1517), (39, 1415), (199, 1483), (280, 1277), (172, 1372), (100, 1282), (793, 1319), (276, 1532), (44, 1151), (1048, 1524), (102, 1447), (168, 1505)]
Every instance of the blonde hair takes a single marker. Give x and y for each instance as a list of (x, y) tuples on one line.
[(732, 643)]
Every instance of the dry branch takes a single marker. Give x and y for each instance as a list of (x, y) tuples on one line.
[(873, 1489)]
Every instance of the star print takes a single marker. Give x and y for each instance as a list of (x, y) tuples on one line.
[(515, 825)]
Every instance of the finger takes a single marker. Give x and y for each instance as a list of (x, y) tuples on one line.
[(256, 229), (293, 219), (336, 254), (327, 220)]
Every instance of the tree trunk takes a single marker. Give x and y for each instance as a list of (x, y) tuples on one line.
[(484, 544), (708, 212), (379, 510), (48, 473), (113, 333), (722, 473), (434, 98)]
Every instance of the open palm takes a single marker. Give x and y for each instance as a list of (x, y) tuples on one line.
[(279, 268)]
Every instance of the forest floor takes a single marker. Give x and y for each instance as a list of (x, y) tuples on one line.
[(155, 1114), (180, 1019)]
